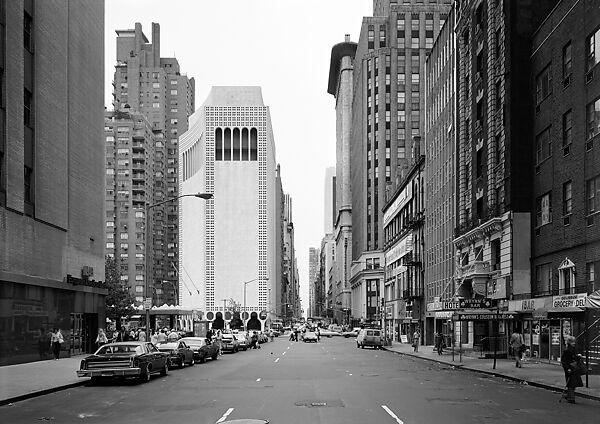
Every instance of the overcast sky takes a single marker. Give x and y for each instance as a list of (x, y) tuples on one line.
[(283, 46)]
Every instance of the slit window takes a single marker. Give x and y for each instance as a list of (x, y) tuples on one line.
[(253, 144), (245, 144), (227, 144), (236, 144), (219, 144)]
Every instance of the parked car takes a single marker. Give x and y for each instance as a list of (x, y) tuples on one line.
[(125, 359), (369, 337), (262, 337), (310, 336), (180, 352), (243, 341), (352, 333), (201, 349), (329, 333), (229, 343)]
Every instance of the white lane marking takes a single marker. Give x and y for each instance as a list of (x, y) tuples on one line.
[(349, 374), (283, 353), (258, 379), (277, 360), (224, 417), (288, 348), (394, 416)]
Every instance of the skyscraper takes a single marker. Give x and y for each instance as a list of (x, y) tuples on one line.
[(146, 83), (227, 245)]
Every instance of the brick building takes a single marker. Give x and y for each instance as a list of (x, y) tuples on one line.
[(51, 176)]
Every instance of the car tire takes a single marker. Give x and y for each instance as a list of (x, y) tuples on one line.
[(202, 359), (165, 370), (145, 375), (362, 346), (357, 345), (215, 357), (192, 362), (181, 363), (95, 380)]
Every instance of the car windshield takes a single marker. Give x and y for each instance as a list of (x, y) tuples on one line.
[(119, 349), (194, 342), (227, 337)]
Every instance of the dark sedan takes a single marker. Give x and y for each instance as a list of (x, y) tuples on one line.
[(125, 359), (201, 348), (180, 352)]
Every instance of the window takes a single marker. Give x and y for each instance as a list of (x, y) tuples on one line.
[(28, 184), (567, 61), (173, 92), (156, 85), (382, 36), (543, 145), (543, 278), (371, 37), (156, 105), (27, 115), (543, 85), (567, 124), (593, 118), (567, 198), (543, 210), (592, 195), (593, 46), (28, 32)]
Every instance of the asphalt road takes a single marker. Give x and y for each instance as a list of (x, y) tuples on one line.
[(297, 383)]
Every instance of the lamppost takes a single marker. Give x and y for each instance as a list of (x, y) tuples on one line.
[(245, 284), (148, 300)]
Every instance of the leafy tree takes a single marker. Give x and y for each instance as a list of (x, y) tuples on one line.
[(119, 299)]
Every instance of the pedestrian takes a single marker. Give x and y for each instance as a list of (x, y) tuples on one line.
[(132, 335), (569, 361), (254, 340), (101, 339), (209, 336), (173, 336), (318, 334), (141, 335), (161, 337), (518, 345), (56, 340), (154, 338), (416, 340), (439, 343), (219, 337)]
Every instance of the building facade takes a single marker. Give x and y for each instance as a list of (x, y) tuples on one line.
[(387, 112), (147, 83), (403, 310), (494, 154), (565, 146), (229, 241), (314, 287), (340, 86), (439, 149), (51, 177)]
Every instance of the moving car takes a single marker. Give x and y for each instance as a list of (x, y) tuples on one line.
[(310, 336), (180, 353), (329, 333), (243, 341), (201, 349), (353, 333), (125, 359), (369, 337), (229, 343)]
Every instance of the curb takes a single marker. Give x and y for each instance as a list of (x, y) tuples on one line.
[(14, 399), (496, 374)]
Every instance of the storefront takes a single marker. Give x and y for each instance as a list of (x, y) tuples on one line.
[(546, 321)]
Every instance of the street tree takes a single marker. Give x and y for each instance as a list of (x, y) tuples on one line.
[(119, 301)]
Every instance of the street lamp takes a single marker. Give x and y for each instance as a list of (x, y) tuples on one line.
[(245, 284), (148, 304)]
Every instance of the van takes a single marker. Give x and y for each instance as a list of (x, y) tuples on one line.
[(369, 337)]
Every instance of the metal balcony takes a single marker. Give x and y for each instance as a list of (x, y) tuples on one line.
[(475, 269)]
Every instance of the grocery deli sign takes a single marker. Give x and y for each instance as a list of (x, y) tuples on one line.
[(569, 301)]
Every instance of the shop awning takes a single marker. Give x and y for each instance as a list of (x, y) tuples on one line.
[(570, 309), (593, 300)]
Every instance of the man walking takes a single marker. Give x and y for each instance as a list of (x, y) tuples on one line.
[(517, 343), (416, 340)]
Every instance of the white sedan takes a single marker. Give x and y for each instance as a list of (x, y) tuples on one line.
[(310, 336)]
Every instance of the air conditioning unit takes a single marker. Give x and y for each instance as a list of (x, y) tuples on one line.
[(87, 271)]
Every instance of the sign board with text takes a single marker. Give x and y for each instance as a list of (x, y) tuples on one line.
[(569, 301), (148, 303), (475, 303), (483, 317)]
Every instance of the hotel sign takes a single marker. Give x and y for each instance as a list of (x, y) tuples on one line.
[(443, 306)]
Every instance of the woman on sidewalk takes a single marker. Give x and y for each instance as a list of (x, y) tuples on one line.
[(101, 339), (572, 376), (55, 341)]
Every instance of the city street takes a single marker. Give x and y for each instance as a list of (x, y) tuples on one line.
[(328, 382)]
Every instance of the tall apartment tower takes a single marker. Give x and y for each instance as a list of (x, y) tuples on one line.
[(147, 83), (387, 113), (314, 290), (439, 149), (131, 146), (494, 151), (228, 241), (290, 270), (51, 175), (329, 213), (565, 145)]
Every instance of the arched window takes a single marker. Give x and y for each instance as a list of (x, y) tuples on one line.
[(236, 144), (219, 144), (245, 146), (227, 144), (253, 144)]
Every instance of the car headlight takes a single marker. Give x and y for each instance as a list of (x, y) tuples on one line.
[(173, 352), (83, 365)]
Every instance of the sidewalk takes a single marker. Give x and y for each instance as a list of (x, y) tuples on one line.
[(23, 381), (535, 373)]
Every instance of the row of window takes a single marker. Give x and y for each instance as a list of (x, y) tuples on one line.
[(236, 145)]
